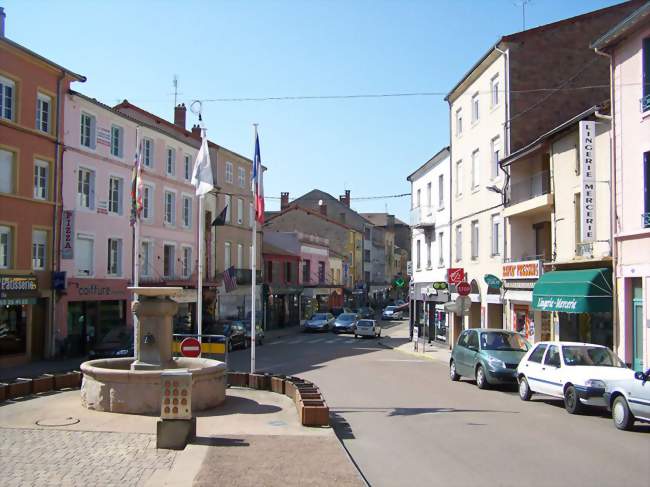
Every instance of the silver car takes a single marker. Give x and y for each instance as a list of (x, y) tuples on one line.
[(367, 328), (320, 322), (629, 400)]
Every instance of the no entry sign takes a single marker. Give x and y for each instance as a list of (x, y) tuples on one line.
[(463, 288), (190, 347)]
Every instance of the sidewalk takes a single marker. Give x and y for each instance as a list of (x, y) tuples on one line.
[(397, 338)]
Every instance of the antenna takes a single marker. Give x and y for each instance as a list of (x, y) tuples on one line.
[(522, 4), (175, 82)]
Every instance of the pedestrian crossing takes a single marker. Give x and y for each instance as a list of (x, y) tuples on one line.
[(314, 340)]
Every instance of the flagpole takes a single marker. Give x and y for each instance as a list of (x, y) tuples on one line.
[(253, 273), (199, 270), (136, 263)]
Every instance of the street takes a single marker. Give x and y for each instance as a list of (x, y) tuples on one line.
[(405, 423)]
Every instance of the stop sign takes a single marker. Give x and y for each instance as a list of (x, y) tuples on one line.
[(190, 347), (463, 288)]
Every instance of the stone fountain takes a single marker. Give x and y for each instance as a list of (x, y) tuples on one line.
[(133, 384)]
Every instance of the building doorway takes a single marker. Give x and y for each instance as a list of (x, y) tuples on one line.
[(637, 324)]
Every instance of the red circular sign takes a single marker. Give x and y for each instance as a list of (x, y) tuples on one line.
[(463, 288), (190, 347)]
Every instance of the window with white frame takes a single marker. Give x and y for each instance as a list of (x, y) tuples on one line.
[(187, 212), (86, 188), (241, 176), (115, 191), (170, 208), (147, 202), (475, 108), (41, 179), (169, 260), (83, 255), (418, 198), (441, 250), (170, 166), (114, 258), (459, 178), (229, 170), (441, 191), (226, 202), (146, 258), (476, 169), (428, 244), (495, 151), (187, 261), (459, 243), (7, 171), (227, 256), (240, 211), (459, 122), (494, 90), (88, 130), (43, 112), (240, 256), (474, 239), (187, 167), (6, 244), (39, 249), (418, 263), (7, 98), (147, 152), (495, 223), (117, 141)]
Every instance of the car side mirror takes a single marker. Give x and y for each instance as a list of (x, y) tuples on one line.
[(640, 376)]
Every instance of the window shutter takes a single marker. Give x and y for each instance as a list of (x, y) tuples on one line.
[(120, 198), (93, 123), (92, 190)]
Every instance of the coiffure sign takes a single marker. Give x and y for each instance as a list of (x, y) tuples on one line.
[(587, 135), (528, 269)]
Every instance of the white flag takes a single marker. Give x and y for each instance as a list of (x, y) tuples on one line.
[(202, 178)]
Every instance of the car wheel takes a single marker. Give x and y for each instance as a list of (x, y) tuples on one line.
[(481, 380), (524, 389), (453, 375), (621, 414), (571, 401)]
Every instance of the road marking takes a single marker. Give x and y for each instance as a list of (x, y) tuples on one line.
[(352, 340), (330, 341)]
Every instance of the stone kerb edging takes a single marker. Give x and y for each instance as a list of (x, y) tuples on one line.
[(22, 387), (309, 401)]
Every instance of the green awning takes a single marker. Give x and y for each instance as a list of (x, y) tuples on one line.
[(579, 291)]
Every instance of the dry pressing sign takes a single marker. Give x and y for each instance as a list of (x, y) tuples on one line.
[(588, 181)]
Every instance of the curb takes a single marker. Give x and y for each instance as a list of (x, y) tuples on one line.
[(412, 353)]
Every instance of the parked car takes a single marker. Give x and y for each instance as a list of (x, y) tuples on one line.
[(233, 330), (345, 323), (259, 333), (576, 372), (367, 328), (366, 312), (319, 322), (339, 311), (489, 356), (629, 400), (118, 342), (392, 313)]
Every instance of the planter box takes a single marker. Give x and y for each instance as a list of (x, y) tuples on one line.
[(3, 391), (261, 382), (238, 379), (314, 413), (69, 380), (303, 388), (277, 384), (44, 383), (309, 395), (19, 388)]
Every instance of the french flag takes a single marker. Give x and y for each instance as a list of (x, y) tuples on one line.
[(258, 187)]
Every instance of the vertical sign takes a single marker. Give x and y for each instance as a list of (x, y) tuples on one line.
[(67, 235), (588, 181)]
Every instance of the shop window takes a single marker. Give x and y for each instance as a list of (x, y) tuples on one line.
[(13, 328), (84, 256)]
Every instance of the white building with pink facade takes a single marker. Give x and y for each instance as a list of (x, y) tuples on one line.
[(628, 47), (97, 238)]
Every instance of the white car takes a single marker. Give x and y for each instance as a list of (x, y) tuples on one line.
[(629, 400), (576, 372), (367, 328), (392, 313)]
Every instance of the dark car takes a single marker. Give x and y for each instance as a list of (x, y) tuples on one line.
[(366, 313), (337, 311), (233, 330), (345, 323), (259, 332), (116, 343)]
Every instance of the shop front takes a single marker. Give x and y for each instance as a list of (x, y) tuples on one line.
[(434, 297), (91, 311), (22, 319), (519, 280), (283, 307), (578, 303)]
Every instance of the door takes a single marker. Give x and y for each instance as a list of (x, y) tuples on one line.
[(637, 330), (532, 368), (639, 398), (460, 353), (551, 373), (471, 352)]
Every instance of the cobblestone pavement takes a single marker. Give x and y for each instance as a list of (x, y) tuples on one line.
[(49, 457)]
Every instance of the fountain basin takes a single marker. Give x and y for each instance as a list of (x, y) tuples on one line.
[(110, 385)]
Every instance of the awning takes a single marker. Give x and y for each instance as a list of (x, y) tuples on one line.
[(579, 291)]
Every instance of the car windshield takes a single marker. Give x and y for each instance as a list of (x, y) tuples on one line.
[(347, 317), (319, 316), (498, 340), (390, 308), (590, 356)]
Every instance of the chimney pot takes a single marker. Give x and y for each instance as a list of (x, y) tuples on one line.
[(345, 199), (179, 115), (196, 132), (284, 200)]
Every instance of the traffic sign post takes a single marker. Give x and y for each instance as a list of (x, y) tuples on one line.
[(463, 288), (191, 347)]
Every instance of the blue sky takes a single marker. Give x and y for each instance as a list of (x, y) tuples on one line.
[(229, 49)]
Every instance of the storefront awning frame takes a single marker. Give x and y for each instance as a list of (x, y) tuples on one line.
[(574, 291)]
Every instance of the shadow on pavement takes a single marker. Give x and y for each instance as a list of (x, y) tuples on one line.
[(341, 427), (215, 441), (239, 405), (418, 411)]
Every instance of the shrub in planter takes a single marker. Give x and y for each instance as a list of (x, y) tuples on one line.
[(43, 383), (238, 379), (261, 382), (277, 384), (314, 412), (69, 380), (19, 388)]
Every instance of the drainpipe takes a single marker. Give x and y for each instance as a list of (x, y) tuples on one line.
[(612, 196)]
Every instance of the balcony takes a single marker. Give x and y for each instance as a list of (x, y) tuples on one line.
[(529, 195), (645, 220), (423, 216), (644, 103)]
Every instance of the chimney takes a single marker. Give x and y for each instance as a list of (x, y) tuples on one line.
[(284, 200), (345, 199), (179, 115), (196, 132), (3, 16), (323, 209), (390, 222)]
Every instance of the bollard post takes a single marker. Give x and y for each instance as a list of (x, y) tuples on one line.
[(177, 425)]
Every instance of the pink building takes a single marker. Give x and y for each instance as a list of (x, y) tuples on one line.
[(628, 47), (97, 245)]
